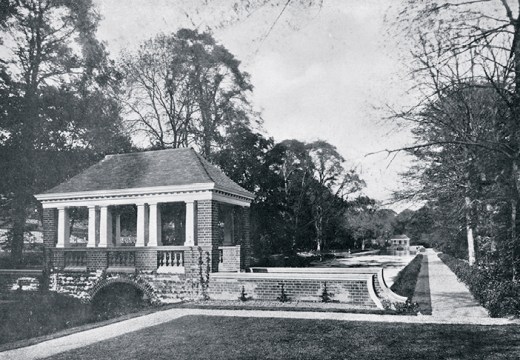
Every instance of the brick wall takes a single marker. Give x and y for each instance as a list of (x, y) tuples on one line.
[(207, 222), (96, 260), (246, 239), (229, 258), (146, 259), (171, 287), (353, 292), (207, 229), (50, 227)]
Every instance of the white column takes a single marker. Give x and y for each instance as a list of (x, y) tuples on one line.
[(105, 227), (141, 225), (154, 225), (118, 229), (159, 227), (91, 226), (190, 224), (63, 228)]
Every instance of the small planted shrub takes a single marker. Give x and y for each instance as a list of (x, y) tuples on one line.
[(407, 308), (326, 296), (283, 295), (243, 295)]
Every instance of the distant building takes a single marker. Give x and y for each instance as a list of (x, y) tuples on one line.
[(399, 243)]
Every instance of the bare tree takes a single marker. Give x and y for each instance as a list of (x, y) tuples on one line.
[(474, 43), (184, 89)]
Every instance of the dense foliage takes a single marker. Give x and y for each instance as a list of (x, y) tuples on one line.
[(64, 104), (56, 112), (501, 297), (466, 122)]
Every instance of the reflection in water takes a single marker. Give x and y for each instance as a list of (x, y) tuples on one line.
[(389, 260), (398, 252)]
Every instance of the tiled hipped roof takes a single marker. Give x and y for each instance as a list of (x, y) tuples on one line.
[(149, 169)]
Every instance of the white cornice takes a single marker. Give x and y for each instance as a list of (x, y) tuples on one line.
[(164, 194), (125, 192)]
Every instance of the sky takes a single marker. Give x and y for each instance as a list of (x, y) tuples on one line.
[(325, 72)]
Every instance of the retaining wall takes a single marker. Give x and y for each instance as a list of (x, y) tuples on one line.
[(358, 287), (25, 279)]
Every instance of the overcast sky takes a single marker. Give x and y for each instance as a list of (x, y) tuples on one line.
[(322, 73)]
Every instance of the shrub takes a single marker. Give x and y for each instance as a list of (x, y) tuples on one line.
[(283, 295), (326, 296), (407, 308), (501, 297), (243, 295)]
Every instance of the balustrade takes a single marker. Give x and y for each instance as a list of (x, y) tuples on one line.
[(75, 259), (171, 261), (121, 259)]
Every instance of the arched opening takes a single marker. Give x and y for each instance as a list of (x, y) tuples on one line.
[(118, 298)]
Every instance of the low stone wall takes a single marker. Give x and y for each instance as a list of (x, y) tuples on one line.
[(25, 280), (355, 289)]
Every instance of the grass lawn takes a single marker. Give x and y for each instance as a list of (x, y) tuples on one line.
[(406, 280), (422, 289), (206, 337)]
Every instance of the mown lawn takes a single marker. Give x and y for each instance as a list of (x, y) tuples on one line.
[(406, 280), (206, 337)]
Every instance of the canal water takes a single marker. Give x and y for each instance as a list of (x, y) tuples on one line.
[(391, 263)]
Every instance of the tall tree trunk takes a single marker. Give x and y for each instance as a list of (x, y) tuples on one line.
[(514, 207), (469, 230), (468, 209), (17, 232), (318, 224), (515, 124)]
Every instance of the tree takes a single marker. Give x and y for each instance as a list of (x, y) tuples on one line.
[(476, 41), (53, 102), (295, 174), (365, 220), (185, 89), (330, 186), (249, 158)]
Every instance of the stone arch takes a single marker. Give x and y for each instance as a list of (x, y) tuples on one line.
[(140, 284)]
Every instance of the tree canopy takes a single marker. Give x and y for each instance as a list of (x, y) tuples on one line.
[(55, 115), (185, 89)]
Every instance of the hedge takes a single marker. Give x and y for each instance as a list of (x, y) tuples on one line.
[(501, 297)]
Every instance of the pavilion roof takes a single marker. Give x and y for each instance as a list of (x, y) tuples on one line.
[(400, 237), (149, 169)]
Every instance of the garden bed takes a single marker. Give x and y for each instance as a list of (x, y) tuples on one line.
[(282, 306)]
